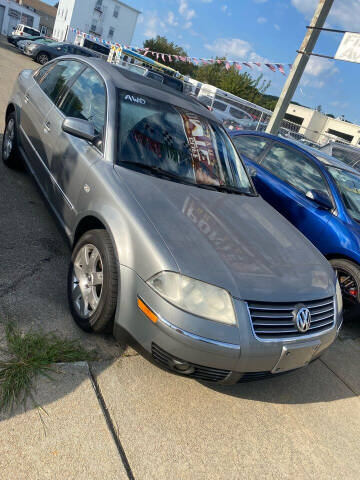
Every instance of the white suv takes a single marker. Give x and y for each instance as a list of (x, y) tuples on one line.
[(23, 30)]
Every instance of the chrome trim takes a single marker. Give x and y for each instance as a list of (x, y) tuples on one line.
[(53, 179), (195, 337), (299, 338)]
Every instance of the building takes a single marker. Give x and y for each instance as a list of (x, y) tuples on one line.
[(320, 128), (110, 20), (12, 13), (47, 14)]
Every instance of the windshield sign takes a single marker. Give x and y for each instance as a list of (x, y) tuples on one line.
[(178, 141), (349, 185)]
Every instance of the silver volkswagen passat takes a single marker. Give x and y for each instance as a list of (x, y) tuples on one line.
[(172, 246)]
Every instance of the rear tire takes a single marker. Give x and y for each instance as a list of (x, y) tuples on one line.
[(93, 282), (42, 58), (9, 150), (348, 274)]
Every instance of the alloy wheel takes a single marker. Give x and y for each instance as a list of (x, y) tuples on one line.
[(43, 59), (9, 137), (87, 281), (349, 287)]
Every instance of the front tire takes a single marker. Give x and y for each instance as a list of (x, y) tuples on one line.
[(348, 274), (9, 150), (93, 282), (42, 58)]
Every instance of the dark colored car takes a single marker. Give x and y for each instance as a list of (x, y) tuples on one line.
[(348, 154), (319, 194), (43, 53)]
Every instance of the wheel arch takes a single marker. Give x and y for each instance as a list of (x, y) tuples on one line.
[(341, 256)]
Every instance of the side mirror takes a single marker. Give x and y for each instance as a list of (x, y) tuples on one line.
[(320, 198), (252, 172), (79, 128)]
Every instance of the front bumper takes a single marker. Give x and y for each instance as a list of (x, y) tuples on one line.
[(204, 344)]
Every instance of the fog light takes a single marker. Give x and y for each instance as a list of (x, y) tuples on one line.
[(181, 367)]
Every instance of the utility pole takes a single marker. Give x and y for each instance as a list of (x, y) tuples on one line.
[(299, 65)]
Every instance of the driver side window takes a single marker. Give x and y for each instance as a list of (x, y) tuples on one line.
[(294, 168)]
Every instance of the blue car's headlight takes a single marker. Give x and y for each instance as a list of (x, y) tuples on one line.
[(194, 296)]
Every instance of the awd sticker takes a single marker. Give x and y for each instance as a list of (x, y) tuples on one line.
[(133, 99)]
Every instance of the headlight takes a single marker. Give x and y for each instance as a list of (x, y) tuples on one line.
[(339, 300), (194, 296)]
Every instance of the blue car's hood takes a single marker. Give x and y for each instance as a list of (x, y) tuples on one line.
[(236, 242)]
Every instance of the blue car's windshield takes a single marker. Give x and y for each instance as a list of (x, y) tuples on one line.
[(183, 143), (349, 186)]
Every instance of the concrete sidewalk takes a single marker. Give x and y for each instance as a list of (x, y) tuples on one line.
[(73, 443), (303, 425), (130, 419)]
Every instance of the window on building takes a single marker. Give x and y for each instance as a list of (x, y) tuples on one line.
[(93, 26), (344, 136), (116, 11), (111, 32)]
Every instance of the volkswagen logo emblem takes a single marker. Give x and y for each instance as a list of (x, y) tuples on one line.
[(302, 318)]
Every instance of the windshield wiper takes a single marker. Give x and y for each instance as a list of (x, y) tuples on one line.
[(173, 176), (230, 189)]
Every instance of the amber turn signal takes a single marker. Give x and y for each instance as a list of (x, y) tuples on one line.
[(146, 310)]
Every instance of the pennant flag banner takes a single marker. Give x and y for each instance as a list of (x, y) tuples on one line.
[(274, 67)]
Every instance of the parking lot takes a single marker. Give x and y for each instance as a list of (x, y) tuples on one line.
[(305, 424)]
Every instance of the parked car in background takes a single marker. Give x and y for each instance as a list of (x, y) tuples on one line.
[(317, 193), (245, 124), (43, 53), (21, 43), (348, 154), (224, 111), (172, 246), (80, 41), (22, 31)]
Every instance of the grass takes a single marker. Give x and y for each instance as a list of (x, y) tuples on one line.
[(28, 355)]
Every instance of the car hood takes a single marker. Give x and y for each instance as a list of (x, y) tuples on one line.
[(233, 241)]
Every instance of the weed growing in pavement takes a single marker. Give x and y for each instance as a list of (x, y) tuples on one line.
[(28, 355)]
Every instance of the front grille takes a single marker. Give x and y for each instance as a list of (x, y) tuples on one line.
[(206, 374), (275, 320)]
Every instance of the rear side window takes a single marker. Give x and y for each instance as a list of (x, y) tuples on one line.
[(219, 106), (237, 113), (86, 99), (54, 81), (294, 168), (250, 145)]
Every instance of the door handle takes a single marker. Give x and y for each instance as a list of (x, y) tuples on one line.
[(27, 98), (47, 127)]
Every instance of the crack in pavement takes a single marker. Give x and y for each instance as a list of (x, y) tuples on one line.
[(110, 424), (14, 285)]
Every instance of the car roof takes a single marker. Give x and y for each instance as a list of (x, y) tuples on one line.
[(133, 82), (323, 157)]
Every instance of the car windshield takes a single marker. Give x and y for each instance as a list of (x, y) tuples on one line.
[(186, 145), (346, 156), (349, 186)]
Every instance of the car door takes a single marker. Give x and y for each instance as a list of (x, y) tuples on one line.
[(284, 177), (85, 98), (36, 132)]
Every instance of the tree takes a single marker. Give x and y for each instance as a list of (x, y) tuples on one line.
[(162, 45)]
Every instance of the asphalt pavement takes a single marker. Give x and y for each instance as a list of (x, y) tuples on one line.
[(126, 418)]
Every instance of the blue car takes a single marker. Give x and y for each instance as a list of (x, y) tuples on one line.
[(317, 193)]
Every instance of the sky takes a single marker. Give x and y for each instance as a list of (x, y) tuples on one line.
[(263, 31)]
